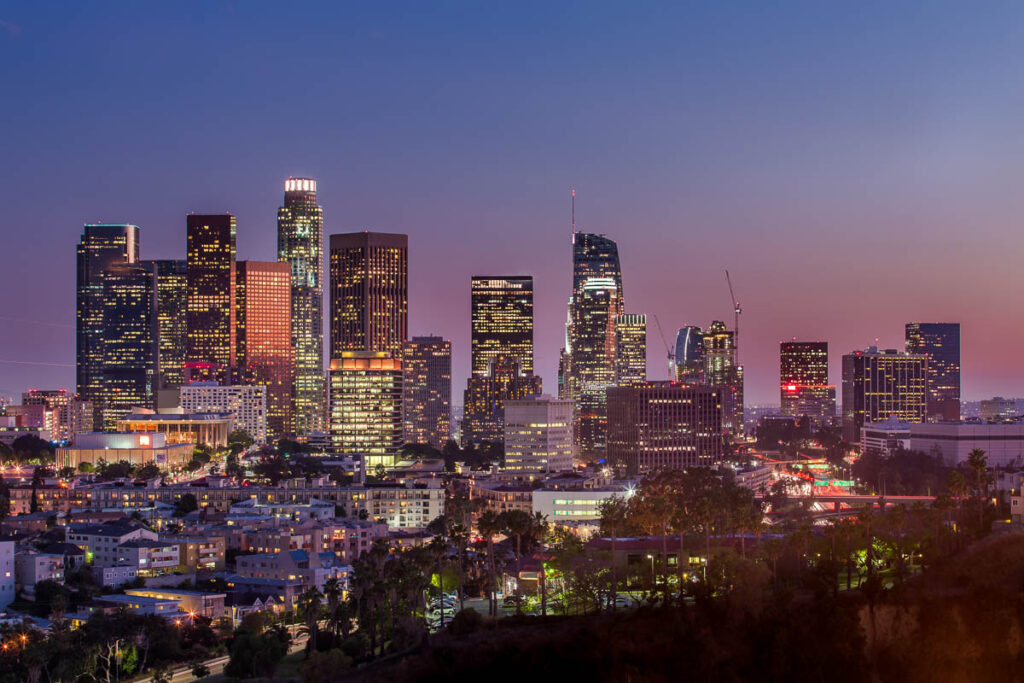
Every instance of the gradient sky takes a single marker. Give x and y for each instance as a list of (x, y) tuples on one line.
[(854, 165)]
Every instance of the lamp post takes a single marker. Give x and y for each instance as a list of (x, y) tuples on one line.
[(653, 580)]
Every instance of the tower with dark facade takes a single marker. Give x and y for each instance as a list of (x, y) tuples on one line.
[(804, 390), (210, 281), (369, 292), (300, 244), (171, 304), (941, 343), (878, 385), (427, 390), (501, 314)]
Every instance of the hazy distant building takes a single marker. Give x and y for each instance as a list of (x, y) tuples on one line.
[(664, 425), (369, 292), (722, 370), (246, 403), (501, 309), (998, 408), (878, 385), (427, 390), (803, 381), (300, 244), (941, 343), (101, 247), (538, 435), (630, 349), (264, 337), (365, 407), (69, 413), (485, 397), (953, 442), (210, 282), (689, 355)]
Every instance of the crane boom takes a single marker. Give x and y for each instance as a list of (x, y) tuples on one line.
[(668, 350)]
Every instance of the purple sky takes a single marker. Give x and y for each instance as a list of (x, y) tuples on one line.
[(854, 166)]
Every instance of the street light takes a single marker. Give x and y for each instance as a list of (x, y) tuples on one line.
[(651, 558)]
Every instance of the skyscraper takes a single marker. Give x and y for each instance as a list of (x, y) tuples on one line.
[(427, 390), (721, 370), (803, 381), (630, 349), (595, 309), (102, 247), (369, 292), (210, 278), (171, 304), (366, 407), (941, 343), (878, 385), (300, 243), (538, 435), (264, 339), (485, 397), (595, 256), (689, 355), (501, 313), (130, 366), (664, 425)]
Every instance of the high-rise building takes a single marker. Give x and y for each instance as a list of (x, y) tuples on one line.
[(722, 370), (210, 278), (501, 311), (427, 391), (365, 402), (664, 425), (630, 349), (538, 435), (595, 304), (171, 305), (70, 414), (689, 355), (130, 365), (485, 397), (878, 385), (300, 243), (102, 247), (264, 338), (246, 403), (369, 292), (595, 309), (941, 343), (803, 381)]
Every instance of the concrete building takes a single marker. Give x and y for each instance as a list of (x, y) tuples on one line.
[(878, 385), (538, 434), (114, 577), (31, 567), (308, 569), (101, 541), (427, 390), (298, 512), (1002, 442), (202, 553), (579, 505), (885, 438), (247, 405), (209, 429), (150, 557), (197, 603), (7, 574), (998, 408), (134, 448)]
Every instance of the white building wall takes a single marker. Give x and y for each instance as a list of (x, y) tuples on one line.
[(1003, 443), (247, 403), (538, 435), (572, 505)]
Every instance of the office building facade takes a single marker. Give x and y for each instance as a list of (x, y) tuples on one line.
[(300, 244), (664, 425), (688, 357), (264, 336), (369, 292), (630, 349), (365, 403), (941, 343), (427, 390), (171, 306), (803, 382), (595, 309), (210, 281), (538, 435), (246, 403), (501, 314), (484, 400), (878, 385), (722, 370)]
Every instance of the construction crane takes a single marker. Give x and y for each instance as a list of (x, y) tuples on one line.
[(668, 351), (736, 311)]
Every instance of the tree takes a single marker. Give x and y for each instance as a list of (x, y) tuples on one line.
[(200, 670), (239, 440), (85, 467), (489, 526), (519, 524), (324, 667), (310, 606), (977, 464), (186, 504), (613, 517), (148, 471), (255, 655)]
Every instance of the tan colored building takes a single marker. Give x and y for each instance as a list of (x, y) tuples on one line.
[(198, 552), (135, 448), (209, 429)]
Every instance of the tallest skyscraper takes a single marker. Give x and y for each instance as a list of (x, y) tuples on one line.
[(300, 243)]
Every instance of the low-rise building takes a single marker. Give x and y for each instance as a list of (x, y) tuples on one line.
[(1003, 442), (204, 553), (501, 497), (885, 438), (113, 577), (150, 557), (299, 512), (7, 573), (32, 567), (193, 603), (574, 504), (209, 429), (136, 448), (50, 497), (101, 541)]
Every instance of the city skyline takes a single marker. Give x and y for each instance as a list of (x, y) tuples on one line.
[(814, 177)]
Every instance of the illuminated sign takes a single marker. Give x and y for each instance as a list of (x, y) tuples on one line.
[(144, 440)]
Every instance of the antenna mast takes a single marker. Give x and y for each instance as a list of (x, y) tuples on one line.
[(574, 211)]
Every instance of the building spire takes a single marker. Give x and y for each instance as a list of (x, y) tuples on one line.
[(574, 210)]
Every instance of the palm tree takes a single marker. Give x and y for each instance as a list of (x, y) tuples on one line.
[(518, 523), (977, 462), (332, 591), (438, 547), (309, 605), (957, 485), (538, 532), (459, 535), (489, 524), (613, 517)]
